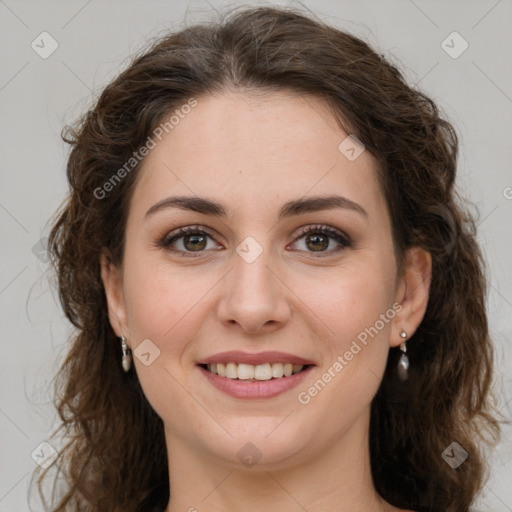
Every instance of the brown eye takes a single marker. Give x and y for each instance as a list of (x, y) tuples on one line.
[(194, 242), (188, 240), (319, 238), (317, 241)]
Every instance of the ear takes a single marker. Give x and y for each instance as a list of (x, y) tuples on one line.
[(111, 276), (412, 293)]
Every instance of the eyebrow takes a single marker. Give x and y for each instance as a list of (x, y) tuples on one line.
[(290, 208)]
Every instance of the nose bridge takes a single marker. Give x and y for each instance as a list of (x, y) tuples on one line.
[(251, 267), (254, 297)]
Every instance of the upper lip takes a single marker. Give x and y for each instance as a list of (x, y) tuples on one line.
[(235, 356)]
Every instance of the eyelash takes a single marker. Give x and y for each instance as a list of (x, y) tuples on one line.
[(340, 237)]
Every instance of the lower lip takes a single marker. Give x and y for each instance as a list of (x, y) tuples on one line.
[(252, 389)]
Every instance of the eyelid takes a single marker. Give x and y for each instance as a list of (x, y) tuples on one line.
[(322, 228), (187, 230), (339, 236)]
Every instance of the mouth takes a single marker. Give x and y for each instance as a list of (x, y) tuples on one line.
[(254, 373), (249, 376)]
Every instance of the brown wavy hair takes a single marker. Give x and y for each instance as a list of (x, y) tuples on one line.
[(114, 458)]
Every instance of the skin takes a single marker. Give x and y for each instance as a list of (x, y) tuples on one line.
[(253, 154)]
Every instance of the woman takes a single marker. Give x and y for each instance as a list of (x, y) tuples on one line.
[(279, 299)]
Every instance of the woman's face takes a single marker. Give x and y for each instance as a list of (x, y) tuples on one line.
[(254, 282)]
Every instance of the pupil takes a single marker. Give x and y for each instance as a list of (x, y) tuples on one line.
[(316, 241), (194, 245)]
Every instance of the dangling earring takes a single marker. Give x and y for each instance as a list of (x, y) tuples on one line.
[(403, 363), (126, 360)]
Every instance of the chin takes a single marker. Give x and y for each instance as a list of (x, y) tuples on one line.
[(264, 445)]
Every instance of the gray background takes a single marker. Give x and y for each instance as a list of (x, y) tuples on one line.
[(95, 40)]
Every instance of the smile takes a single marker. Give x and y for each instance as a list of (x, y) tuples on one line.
[(263, 387), (249, 372)]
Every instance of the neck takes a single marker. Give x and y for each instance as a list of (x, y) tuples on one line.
[(338, 479)]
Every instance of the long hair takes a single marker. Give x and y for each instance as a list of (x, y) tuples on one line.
[(115, 455)]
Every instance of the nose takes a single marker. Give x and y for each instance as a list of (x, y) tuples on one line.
[(254, 296)]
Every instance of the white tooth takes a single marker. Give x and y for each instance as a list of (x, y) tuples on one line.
[(221, 369), (263, 372), (231, 372), (277, 370), (245, 371), (297, 368)]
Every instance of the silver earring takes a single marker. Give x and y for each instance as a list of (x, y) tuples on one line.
[(403, 363), (126, 360)]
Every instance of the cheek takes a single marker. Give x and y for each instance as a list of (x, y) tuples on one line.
[(349, 299), (166, 303), (151, 302), (356, 308), (160, 308), (154, 298), (355, 346)]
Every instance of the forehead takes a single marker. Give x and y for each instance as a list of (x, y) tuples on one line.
[(252, 149)]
